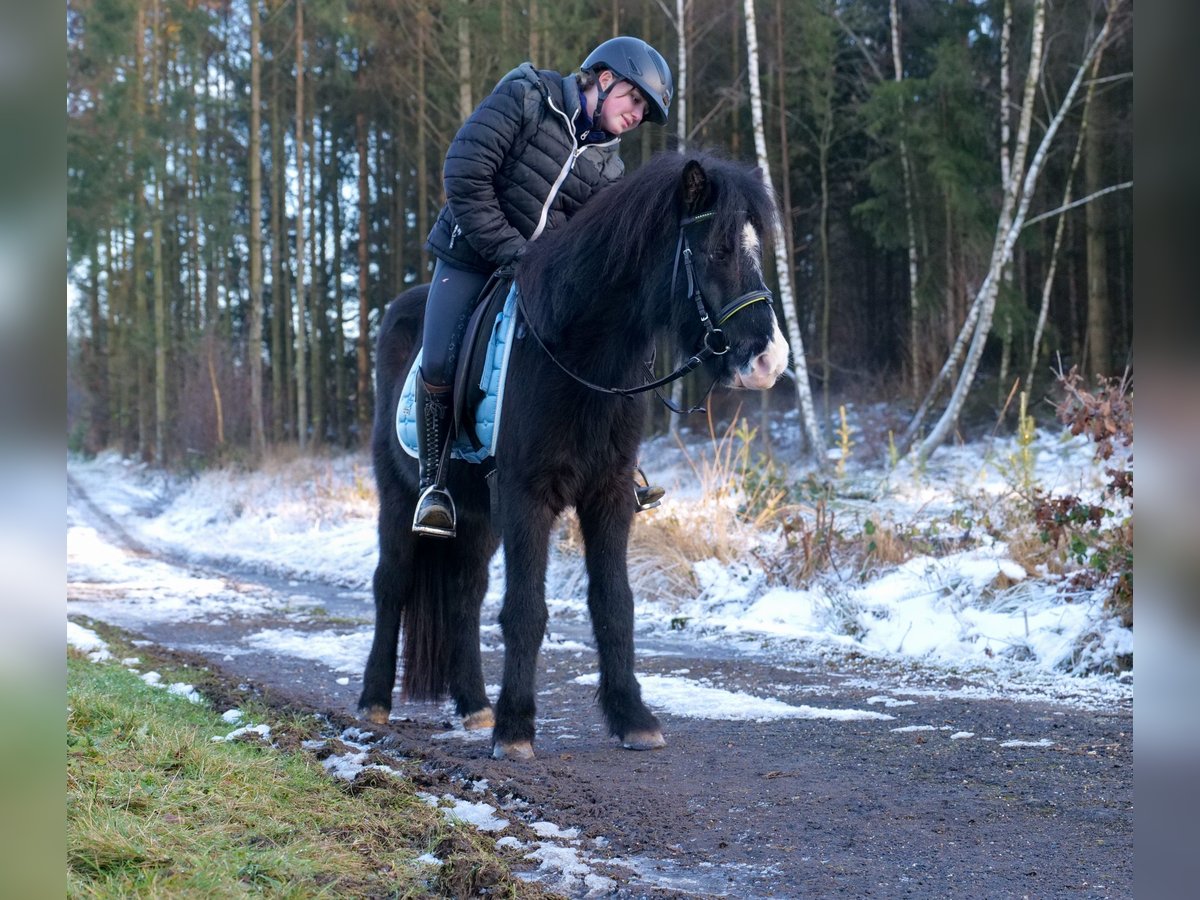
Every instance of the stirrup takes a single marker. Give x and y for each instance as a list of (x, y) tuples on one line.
[(646, 496), (435, 515)]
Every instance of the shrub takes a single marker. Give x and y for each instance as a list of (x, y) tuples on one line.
[(1097, 537)]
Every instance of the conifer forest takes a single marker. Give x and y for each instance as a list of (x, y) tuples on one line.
[(251, 181)]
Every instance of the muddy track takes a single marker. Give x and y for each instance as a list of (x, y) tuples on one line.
[(785, 808)]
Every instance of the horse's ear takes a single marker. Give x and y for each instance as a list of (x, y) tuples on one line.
[(696, 189)]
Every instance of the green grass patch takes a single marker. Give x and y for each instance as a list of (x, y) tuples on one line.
[(155, 808)]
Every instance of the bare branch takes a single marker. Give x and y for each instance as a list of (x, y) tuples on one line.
[(1080, 202)]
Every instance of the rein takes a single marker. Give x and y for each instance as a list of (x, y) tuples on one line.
[(714, 342)]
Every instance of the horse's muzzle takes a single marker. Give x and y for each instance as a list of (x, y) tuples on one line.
[(764, 370)]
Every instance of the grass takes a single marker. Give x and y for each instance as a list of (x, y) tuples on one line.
[(155, 808)]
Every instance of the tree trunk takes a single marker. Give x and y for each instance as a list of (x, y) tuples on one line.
[(363, 398), (465, 106), (1099, 350), (1060, 226), (160, 329), (301, 332), (800, 370), (279, 370), (681, 84), (424, 23), (1005, 179), (340, 400), (914, 309), (258, 438), (316, 292)]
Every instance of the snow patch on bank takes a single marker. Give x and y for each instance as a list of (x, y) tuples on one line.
[(691, 699), (339, 651)]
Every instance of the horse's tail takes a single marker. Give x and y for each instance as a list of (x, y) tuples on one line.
[(427, 621)]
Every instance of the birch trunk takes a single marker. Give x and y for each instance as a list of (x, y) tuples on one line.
[(316, 289), (340, 406), (1013, 212), (679, 20), (465, 106), (681, 93), (1005, 176), (160, 329), (800, 365), (362, 346), (424, 23), (258, 438), (914, 354), (279, 370), (301, 333)]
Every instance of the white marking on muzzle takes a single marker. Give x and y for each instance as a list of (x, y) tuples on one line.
[(764, 370)]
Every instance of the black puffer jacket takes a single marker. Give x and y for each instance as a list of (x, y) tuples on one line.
[(514, 169)]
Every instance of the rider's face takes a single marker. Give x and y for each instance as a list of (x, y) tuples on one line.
[(625, 107)]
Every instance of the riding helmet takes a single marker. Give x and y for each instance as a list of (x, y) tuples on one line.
[(632, 59)]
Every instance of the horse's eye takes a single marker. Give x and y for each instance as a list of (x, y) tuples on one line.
[(718, 254)]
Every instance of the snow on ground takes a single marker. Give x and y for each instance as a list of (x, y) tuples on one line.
[(692, 699), (972, 608), (87, 641), (339, 651)]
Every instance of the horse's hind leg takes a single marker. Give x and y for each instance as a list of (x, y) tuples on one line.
[(522, 622), (392, 585), (474, 547), (605, 519)]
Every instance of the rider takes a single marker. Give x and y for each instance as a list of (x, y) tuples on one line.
[(528, 158)]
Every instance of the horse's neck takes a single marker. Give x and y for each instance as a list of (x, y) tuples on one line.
[(610, 336)]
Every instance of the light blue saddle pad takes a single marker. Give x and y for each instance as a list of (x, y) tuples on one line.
[(491, 382)]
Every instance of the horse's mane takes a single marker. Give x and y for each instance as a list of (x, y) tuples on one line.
[(625, 233)]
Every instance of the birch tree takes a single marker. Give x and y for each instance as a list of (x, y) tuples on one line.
[(1017, 196), (258, 439), (1060, 226), (799, 372), (301, 332), (914, 353)]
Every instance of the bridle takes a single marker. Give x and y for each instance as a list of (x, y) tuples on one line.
[(714, 342)]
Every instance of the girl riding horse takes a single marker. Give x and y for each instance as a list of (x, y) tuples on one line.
[(533, 152)]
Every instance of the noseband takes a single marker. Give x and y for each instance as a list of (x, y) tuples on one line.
[(714, 342)]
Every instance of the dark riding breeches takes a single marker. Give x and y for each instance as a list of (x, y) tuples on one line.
[(452, 297)]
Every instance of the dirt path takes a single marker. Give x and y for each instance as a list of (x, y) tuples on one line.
[(781, 808)]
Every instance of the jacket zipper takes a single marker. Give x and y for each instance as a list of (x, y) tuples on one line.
[(568, 165), (454, 235)]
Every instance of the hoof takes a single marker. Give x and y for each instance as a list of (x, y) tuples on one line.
[(481, 718), (515, 750), (644, 740), (377, 715)]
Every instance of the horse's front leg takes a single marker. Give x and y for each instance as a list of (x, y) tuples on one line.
[(522, 622), (605, 518)]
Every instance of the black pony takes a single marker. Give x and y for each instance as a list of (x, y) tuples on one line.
[(672, 250)]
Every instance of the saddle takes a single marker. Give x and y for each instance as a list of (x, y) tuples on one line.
[(479, 377)]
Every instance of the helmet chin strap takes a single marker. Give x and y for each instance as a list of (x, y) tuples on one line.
[(601, 96)]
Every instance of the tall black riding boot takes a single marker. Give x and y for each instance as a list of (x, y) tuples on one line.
[(435, 508)]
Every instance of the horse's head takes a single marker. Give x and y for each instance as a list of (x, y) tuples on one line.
[(725, 217)]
